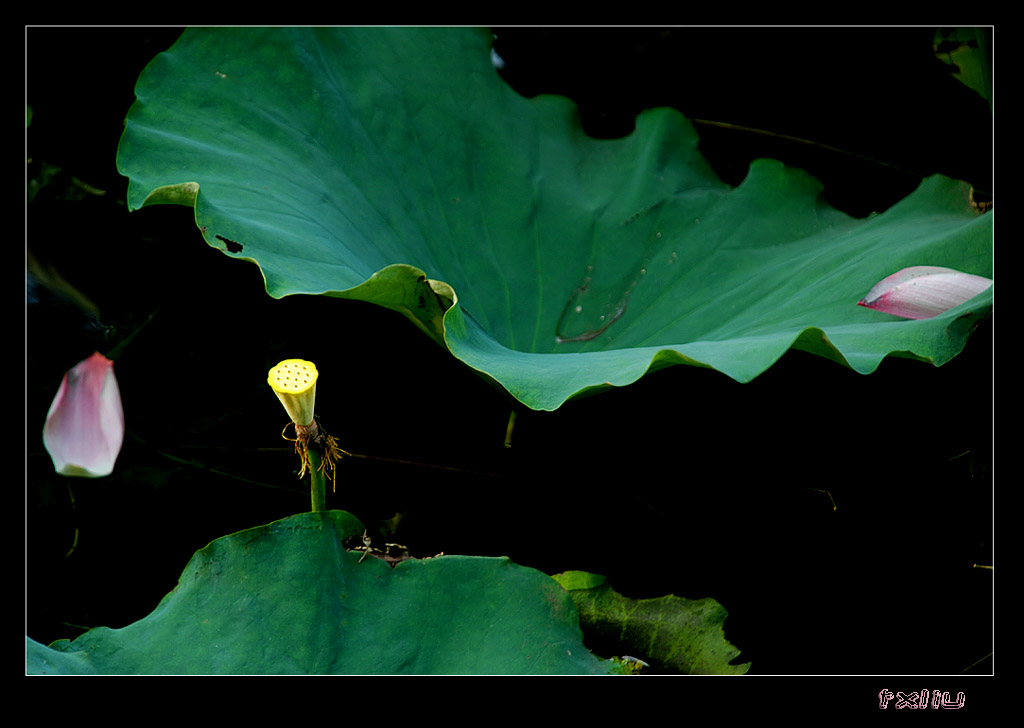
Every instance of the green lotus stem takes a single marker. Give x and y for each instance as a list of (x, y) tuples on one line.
[(318, 483), (508, 429)]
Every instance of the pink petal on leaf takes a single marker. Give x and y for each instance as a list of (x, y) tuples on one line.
[(84, 428), (923, 291)]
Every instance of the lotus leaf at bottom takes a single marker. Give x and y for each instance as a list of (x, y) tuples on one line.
[(287, 598)]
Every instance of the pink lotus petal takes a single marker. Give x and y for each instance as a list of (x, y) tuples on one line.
[(84, 428), (923, 291)]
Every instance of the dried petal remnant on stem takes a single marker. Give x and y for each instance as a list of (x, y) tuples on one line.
[(327, 445)]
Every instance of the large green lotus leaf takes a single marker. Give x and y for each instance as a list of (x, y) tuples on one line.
[(395, 166), (287, 598)]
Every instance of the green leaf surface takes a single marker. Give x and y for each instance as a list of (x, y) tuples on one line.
[(967, 52), (287, 598), (394, 165), (684, 635)]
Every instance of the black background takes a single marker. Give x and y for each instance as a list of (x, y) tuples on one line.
[(685, 482)]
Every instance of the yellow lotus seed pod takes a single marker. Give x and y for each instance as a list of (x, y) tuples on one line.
[(294, 383)]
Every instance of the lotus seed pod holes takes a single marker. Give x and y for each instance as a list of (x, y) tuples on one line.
[(293, 376)]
